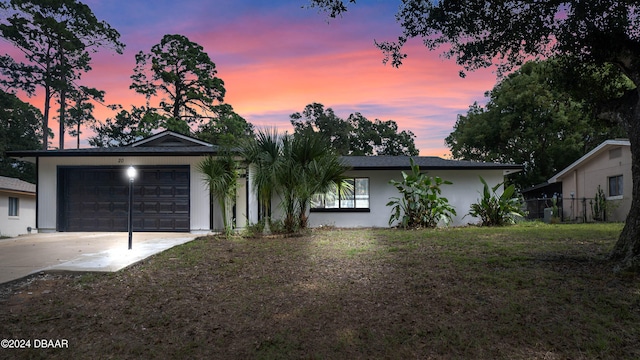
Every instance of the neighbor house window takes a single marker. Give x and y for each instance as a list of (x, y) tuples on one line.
[(354, 195), (13, 206), (615, 185)]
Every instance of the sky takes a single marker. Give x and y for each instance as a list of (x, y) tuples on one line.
[(275, 57)]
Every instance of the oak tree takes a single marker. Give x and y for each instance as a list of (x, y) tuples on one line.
[(530, 119), (356, 135)]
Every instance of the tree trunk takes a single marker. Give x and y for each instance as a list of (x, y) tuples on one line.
[(63, 102), (45, 118), (627, 250)]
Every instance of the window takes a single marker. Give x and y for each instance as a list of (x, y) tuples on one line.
[(353, 197), (13, 206), (615, 185)]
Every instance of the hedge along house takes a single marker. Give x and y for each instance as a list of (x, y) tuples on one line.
[(87, 189), (365, 205)]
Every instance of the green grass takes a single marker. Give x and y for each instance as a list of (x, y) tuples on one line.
[(531, 291)]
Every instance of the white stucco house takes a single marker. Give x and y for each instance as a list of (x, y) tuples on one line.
[(607, 166), (17, 207), (87, 189), (365, 206)]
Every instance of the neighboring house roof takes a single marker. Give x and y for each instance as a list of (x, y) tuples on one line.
[(425, 163), (605, 146), (16, 185)]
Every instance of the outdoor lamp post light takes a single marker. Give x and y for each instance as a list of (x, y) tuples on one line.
[(131, 173)]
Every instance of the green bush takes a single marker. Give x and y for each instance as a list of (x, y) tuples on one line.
[(421, 204), (497, 210)]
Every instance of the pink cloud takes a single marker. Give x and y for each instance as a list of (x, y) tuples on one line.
[(275, 62)]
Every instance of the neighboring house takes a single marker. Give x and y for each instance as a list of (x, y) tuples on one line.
[(607, 166), (87, 189), (17, 207)]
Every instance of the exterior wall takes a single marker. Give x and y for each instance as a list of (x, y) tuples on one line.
[(583, 182), (47, 185), (17, 225), (465, 190)]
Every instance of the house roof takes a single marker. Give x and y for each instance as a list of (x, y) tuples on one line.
[(605, 146), (169, 139), (16, 185), (425, 163), (166, 143)]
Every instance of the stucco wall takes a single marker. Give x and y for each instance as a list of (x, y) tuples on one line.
[(17, 225), (465, 190), (47, 185), (583, 182)]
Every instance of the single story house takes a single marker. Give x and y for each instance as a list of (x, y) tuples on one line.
[(87, 189), (365, 206), (17, 207), (608, 166)]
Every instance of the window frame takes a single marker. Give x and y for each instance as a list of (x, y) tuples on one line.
[(618, 181), (14, 207), (340, 200)]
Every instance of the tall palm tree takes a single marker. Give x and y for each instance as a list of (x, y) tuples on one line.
[(264, 154), (221, 176)]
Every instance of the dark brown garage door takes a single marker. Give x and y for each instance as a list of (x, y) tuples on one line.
[(96, 199)]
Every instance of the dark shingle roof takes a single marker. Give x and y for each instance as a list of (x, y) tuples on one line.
[(11, 184), (166, 143), (425, 163), (124, 150)]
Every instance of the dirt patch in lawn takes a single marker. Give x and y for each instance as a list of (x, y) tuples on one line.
[(468, 293)]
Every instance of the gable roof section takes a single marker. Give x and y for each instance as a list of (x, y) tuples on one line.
[(16, 185), (605, 146), (425, 163), (169, 139)]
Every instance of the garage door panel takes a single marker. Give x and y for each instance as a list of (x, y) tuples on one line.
[(97, 199)]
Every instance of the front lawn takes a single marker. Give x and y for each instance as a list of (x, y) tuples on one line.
[(530, 291)]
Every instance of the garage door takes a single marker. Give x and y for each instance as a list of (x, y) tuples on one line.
[(96, 199)]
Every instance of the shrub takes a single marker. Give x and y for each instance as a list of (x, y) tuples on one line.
[(599, 206), (497, 210), (421, 204)]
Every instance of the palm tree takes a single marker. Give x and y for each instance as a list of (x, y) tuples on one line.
[(264, 154), (294, 166), (320, 175), (221, 176), (309, 167)]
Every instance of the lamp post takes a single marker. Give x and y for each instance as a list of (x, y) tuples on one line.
[(131, 173)]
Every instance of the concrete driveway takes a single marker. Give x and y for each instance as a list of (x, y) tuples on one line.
[(101, 252)]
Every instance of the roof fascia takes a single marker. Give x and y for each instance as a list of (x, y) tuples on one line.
[(597, 151), (173, 134)]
